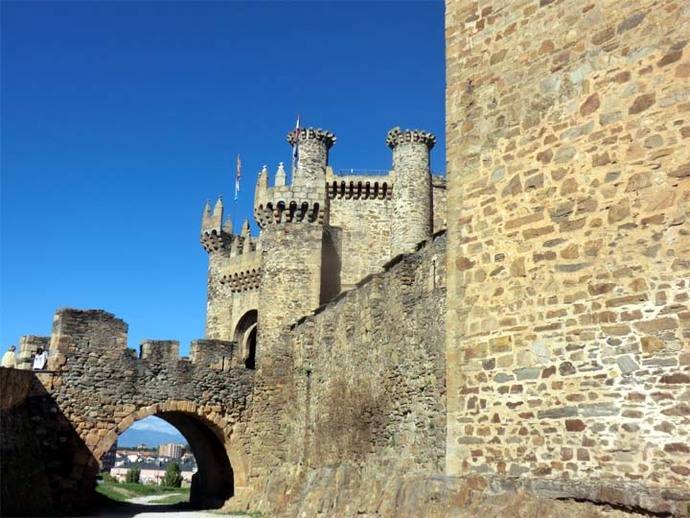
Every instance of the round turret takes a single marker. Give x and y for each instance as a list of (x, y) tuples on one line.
[(311, 155), (412, 216)]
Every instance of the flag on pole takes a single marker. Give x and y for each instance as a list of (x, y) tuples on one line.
[(295, 146), (237, 176)]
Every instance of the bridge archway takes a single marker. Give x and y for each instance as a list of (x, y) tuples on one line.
[(216, 479), (245, 335)]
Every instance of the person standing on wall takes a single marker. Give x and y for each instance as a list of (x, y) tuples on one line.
[(41, 359), (9, 359)]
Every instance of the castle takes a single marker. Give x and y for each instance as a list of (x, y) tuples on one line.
[(531, 360), (340, 230)]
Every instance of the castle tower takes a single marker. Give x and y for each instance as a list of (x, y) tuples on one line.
[(312, 157), (292, 219), (412, 216), (216, 238)]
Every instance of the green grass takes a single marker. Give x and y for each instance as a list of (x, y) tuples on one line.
[(121, 492)]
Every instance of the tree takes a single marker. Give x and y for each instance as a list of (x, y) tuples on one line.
[(173, 475), (133, 475)]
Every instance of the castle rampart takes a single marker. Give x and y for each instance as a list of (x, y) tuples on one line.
[(28, 345), (379, 347), (100, 388)]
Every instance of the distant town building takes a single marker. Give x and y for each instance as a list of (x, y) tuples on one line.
[(153, 471), (171, 450), (108, 460)]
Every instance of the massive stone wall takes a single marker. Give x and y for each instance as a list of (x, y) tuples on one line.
[(366, 392), (568, 248), (365, 243), (37, 451), (361, 207), (438, 202)]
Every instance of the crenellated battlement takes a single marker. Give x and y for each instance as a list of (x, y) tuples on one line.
[(216, 236), (305, 134), (213, 354), (84, 337), (396, 137), (159, 350), (281, 203), (288, 207)]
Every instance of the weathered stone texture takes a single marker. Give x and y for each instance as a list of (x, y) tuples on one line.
[(365, 222), (100, 388), (568, 244), (362, 217), (438, 202), (28, 345), (412, 217), (37, 450), (366, 389)]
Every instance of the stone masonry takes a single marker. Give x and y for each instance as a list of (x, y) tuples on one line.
[(361, 360), (569, 247), (364, 221), (100, 388)]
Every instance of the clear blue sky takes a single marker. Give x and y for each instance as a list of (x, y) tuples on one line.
[(119, 119)]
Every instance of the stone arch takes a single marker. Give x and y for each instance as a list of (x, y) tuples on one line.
[(222, 465), (245, 335)]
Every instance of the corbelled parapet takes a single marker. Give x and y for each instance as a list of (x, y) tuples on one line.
[(311, 146), (214, 233), (304, 134), (396, 137), (296, 203), (357, 187), (243, 274), (412, 214)]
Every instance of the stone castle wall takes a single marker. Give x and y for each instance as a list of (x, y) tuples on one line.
[(438, 203), (101, 388), (234, 278), (365, 222), (366, 391), (38, 450), (568, 246)]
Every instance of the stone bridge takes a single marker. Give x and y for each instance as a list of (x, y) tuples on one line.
[(96, 388)]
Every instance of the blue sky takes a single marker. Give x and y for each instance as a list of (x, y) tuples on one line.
[(119, 119), (151, 431)]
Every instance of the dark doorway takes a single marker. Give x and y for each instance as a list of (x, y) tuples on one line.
[(245, 336), (250, 361)]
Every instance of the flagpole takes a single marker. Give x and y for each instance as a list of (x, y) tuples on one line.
[(237, 176), (295, 148)]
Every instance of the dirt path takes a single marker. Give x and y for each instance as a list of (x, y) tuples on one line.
[(148, 499)]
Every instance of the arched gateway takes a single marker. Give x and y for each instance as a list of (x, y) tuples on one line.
[(101, 388)]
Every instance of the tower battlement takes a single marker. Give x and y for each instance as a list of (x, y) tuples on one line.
[(360, 187), (303, 135), (396, 137), (283, 203)]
